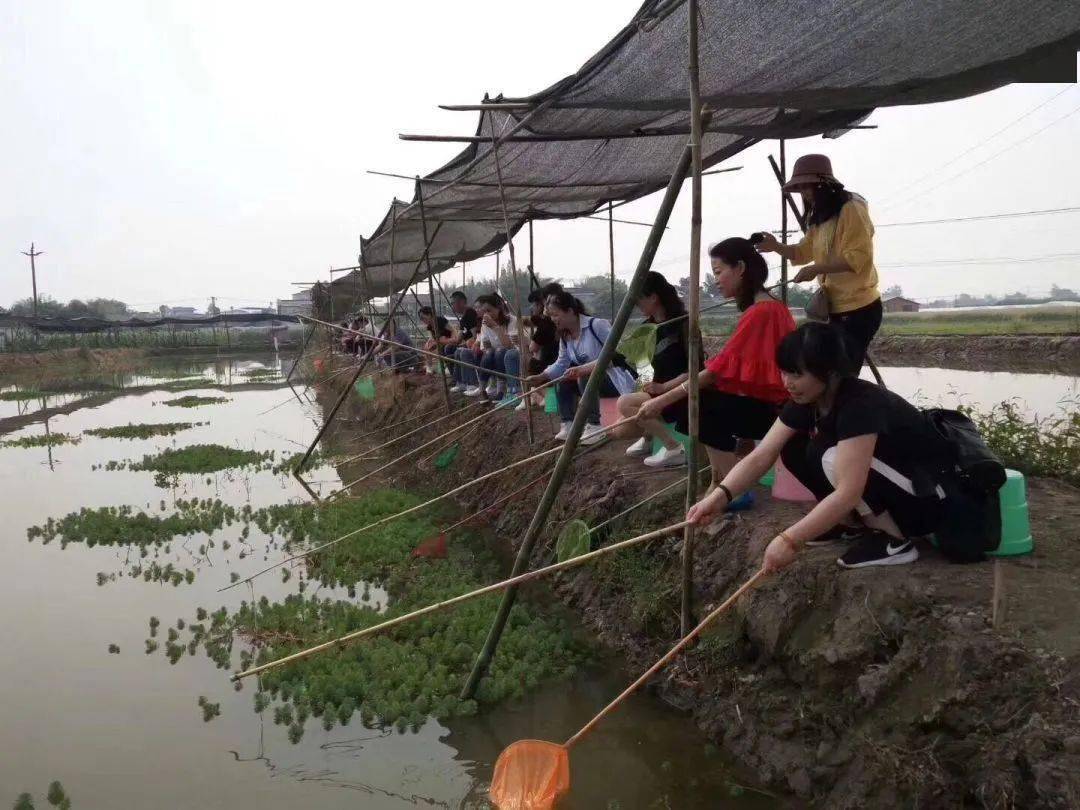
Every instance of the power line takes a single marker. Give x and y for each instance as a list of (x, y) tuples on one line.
[(1050, 257), (981, 143), (994, 156), (979, 217)]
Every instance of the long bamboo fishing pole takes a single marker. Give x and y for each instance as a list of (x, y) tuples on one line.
[(465, 597), (399, 423), (412, 509), (455, 429)]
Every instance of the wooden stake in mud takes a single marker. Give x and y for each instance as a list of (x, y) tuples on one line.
[(686, 612), (783, 223), (521, 336), (431, 294), (592, 390)]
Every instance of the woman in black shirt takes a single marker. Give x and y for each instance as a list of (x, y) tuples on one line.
[(855, 445), (442, 334), (659, 302)]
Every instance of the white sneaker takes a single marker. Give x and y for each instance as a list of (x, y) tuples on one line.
[(473, 392), (564, 431), (457, 388), (592, 434), (642, 447), (492, 387), (522, 405), (667, 458)]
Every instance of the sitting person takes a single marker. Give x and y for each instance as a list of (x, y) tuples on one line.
[(442, 334), (855, 445), (461, 348), (543, 341), (659, 302), (581, 338), (398, 358), (740, 388), (498, 331)]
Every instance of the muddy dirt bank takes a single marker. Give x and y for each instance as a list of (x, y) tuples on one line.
[(882, 688), (1046, 353), (121, 359)]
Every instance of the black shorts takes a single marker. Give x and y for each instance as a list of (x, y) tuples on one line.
[(724, 418)]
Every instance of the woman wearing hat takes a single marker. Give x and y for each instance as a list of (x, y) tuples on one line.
[(838, 249)]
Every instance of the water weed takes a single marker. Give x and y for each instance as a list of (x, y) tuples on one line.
[(122, 525), (196, 459), (193, 401), (21, 396), (142, 431), (43, 440)]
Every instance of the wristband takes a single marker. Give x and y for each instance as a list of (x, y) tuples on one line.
[(727, 493)]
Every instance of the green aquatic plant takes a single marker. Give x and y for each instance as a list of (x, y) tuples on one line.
[(209, 710), (57, 796), (114, 649), (151, 646), (24, 801), (194, 401), (143, 431), (21, 396), (290, 464), (42, 440), (256, 374), (296, 733), (155, 622), (196, 458), (122, 525)]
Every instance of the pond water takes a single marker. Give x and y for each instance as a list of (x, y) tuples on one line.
[(124, 730)]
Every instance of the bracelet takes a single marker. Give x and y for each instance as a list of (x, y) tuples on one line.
[(727, 493), (685, 386), (791, 543)]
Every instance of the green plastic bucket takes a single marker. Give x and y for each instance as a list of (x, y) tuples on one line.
[(1015, 521), (769, 478), (551, 404), (365, 388), (681, 438)]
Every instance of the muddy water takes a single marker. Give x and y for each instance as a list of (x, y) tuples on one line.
[(1042, 395), (125, 730)]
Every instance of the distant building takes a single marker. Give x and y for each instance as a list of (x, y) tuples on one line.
[(899, 304), (299, 304), (183, 312)]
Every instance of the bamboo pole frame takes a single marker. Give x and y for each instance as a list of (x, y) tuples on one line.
[(592, 390), (611, 255), (686, 610), (367, 358), (521, 336), (431, 295)]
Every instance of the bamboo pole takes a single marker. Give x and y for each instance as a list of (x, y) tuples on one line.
[(611, 255), (431, 295), (360, 368), (303, 348), (338, 643), (521, 336), (592, 390), (686, 612), (783, 222), (412, 509)]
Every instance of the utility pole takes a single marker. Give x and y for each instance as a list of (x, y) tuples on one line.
[(33, 271)]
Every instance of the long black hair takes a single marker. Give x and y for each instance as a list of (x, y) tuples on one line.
[(826, 200), (735, 249), (566, 302), (656, 284), (495, 301), (816, 348)]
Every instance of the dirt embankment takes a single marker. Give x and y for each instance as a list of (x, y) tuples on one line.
[(119, 359), (882, 688)]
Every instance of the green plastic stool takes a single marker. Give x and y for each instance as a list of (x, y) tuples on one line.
[(551, 404), (1015, 522), (365, 389), (769, 478)]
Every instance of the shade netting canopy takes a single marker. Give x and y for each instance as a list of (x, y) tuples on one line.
[(91, 324), (769, 69)]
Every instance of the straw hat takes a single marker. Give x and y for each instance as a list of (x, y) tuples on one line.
[(809, 170)]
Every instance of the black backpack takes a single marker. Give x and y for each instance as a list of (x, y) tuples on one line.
[(970, 474), (618, 360)]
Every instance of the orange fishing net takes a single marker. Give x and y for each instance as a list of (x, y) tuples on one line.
[(531, 775)]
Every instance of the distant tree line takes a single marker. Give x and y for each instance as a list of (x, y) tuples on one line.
[(49, 307)]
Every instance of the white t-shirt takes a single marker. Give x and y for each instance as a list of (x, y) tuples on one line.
[(491, 338)]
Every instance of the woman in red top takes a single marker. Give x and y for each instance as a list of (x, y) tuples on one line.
[(741, 389)]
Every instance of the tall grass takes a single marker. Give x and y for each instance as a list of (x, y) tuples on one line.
[(1048, 447), (24, 340)]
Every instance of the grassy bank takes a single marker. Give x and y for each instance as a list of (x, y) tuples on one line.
[(1053, 320)]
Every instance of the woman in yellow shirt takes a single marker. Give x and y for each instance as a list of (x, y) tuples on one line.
[(838, 249)]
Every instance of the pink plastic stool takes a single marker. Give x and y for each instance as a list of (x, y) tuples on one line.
[(787, 487), (609, 412)]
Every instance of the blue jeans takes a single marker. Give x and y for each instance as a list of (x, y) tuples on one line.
[(492, 361), (512, 366), (464, 374), (568, 395)]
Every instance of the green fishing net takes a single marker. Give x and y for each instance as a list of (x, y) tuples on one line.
[(574, 540)]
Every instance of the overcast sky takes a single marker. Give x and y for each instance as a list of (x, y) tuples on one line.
[(165, 152)]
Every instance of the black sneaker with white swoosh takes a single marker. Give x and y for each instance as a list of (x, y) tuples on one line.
[(838, 534), (878, 548)]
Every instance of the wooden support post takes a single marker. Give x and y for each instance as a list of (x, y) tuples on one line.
[(534, 281), (783, 223), (303, 347), (997, 603), (592, 390), (611, 255), (431, 293), (367, 358), (686, 612), (523, 341)]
